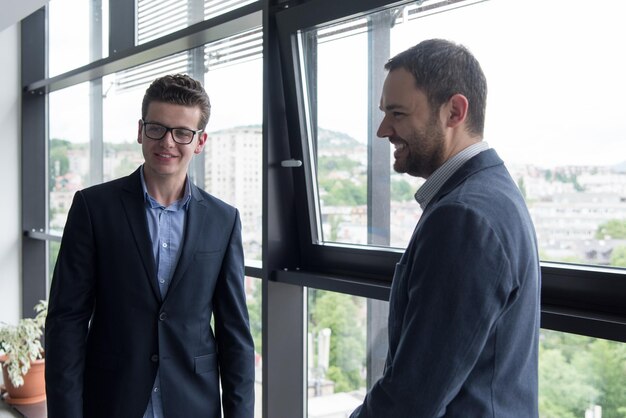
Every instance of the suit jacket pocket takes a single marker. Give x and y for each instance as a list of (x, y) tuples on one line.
[(205, 364)]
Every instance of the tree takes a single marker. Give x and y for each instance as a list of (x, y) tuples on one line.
[(340, 313), (326, 164), (59, 162), (618, 256), (563, 392), (401, 191), (605, 365), (614, 228), (343, 192), (576, 372)]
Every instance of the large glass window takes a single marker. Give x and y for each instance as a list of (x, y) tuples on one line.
[(551, 116), (578, 376), (78, 33), (233, 153), (97, 140), (68, 150)]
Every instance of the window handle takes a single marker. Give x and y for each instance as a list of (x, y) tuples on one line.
[(291, 163)]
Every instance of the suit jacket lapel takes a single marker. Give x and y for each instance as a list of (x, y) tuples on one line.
[(196, 215), (483, 160), (133, 202)]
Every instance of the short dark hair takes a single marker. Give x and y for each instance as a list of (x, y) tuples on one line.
[(442, 69), (178, 89)]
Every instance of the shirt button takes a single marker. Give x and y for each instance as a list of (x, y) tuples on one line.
[(165, 245), (156, 389), (163, 316), (154, 358), (161, 281)]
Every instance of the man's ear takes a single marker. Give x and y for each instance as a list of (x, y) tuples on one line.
[(456, 108), (139, 131), (201, 141)]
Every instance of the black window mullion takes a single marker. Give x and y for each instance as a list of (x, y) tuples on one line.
[(34, 187), (122, 18)]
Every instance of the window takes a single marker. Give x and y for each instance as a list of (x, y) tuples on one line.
[(156, 18), (97, 141), (80, 42), (346, 349), (578, 376), (69, 162), (581, 376), (577, 198), (358, 214), (233, 152)]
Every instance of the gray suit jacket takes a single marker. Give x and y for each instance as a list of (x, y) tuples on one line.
[(464, 306), (108, 329)]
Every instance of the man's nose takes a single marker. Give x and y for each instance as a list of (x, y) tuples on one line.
[(384, 130), (168, 139)]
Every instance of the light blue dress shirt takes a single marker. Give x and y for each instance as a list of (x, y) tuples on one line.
[(167, 228)]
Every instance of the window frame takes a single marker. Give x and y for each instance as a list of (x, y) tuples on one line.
[(580, 299)]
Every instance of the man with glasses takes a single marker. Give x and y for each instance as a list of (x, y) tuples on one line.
[(146, 263), (464, 302)]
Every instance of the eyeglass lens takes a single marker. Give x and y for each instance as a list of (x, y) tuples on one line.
[(156, 131)]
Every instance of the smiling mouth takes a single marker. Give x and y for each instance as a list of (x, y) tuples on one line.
[(399, 147), (165, 156)]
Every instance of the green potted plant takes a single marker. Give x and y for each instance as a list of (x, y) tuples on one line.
[(21, 355)]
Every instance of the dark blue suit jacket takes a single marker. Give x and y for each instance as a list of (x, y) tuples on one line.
[(464, 306), (108, 330)]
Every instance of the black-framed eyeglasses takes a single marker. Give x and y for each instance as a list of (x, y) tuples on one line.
[(157, 131)]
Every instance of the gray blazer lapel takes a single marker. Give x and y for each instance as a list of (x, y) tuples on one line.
[(483, 160), (196, 215), (133, 203)]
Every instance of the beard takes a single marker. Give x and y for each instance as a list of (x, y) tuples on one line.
[(424, 151)]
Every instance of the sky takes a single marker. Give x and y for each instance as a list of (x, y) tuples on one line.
[(554, 69)]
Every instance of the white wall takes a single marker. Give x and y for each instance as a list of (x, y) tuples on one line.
[(10, 218), (14, 11)]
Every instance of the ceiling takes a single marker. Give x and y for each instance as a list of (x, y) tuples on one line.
[(14, 11)]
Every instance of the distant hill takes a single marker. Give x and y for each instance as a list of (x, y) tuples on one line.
[(335, 139)]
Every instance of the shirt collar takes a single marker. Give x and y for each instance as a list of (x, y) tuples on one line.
[(432, 185), (181, 203)]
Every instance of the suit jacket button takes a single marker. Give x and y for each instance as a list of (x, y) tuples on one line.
[(163, 316), (154, 358)]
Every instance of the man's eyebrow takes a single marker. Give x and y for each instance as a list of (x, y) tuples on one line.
[(390, 107)]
